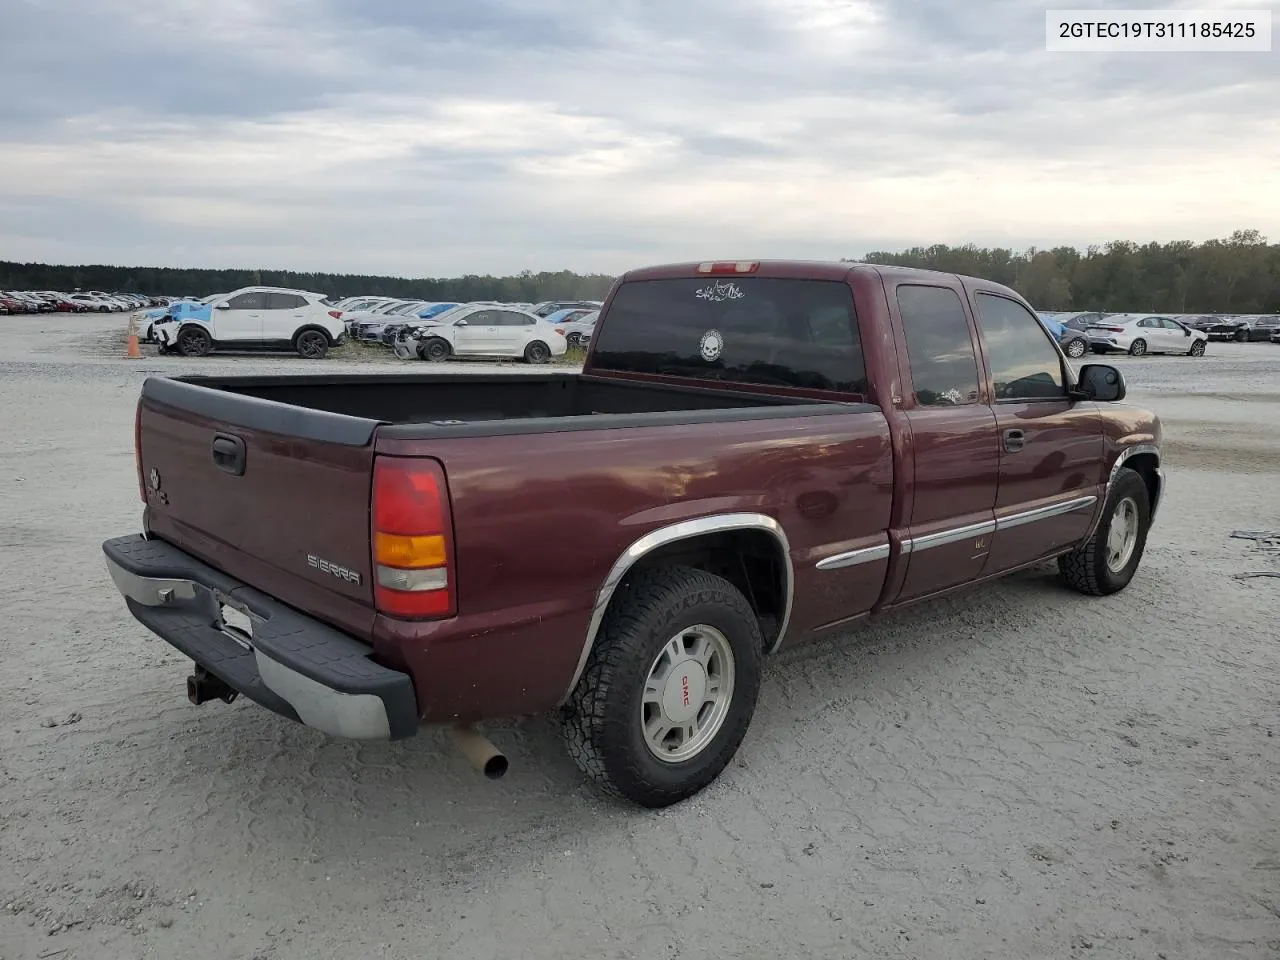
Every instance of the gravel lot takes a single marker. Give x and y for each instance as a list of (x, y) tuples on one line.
[(1019, 772)]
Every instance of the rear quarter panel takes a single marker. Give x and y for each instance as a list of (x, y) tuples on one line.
[(539, 520)]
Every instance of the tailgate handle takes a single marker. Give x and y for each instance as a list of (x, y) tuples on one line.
[(228, 454)]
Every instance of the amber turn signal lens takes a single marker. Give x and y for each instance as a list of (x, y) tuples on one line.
[(396, 550)]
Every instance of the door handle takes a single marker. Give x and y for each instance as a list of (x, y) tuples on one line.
[(229, 454), (1013, 440)]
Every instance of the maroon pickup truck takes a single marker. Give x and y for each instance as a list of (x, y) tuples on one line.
[(753, 452)]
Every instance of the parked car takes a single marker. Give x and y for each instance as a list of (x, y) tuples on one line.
[(548, 307), (1275, 336), (578, 331), (257, 318), (744, 460), (1138, 334), (178, 312), (91, 302), (481, 330), (1258, 328), (1074, 343), (1226, 328)]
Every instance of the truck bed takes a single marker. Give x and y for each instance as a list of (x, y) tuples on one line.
[(427, 405)]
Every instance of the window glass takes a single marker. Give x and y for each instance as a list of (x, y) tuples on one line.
[(285, 301), (248, 301), (1025, 365), (1170, 324), (482, 318), (789, 333), (512, 319), (944, 366)]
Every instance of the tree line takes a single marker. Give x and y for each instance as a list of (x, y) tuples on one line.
[(524, 287), (1238, 274)]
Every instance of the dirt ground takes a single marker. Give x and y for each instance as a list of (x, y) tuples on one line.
[(1019, 772)]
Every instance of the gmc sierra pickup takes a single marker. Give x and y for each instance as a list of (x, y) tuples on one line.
[(753, 452)]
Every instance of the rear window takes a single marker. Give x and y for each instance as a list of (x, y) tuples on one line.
[(789, 333)]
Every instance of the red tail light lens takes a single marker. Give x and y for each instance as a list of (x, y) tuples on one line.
[(137, 450), (560, 330), (336, 314), (412, 539)]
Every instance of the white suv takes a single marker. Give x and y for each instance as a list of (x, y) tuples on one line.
[(258, 318)]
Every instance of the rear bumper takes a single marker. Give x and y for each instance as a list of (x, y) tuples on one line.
[(296, 666)]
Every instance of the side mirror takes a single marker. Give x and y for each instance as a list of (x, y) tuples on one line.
[(461, 323), (1101, 382), (1186, 332), (224, 306)]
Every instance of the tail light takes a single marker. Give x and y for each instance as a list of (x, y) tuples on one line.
[(137, 450), (336, 314), (1111, 329), (560, 330), (412, 539), (729, 266)]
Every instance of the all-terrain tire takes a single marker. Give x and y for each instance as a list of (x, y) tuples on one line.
[(601, 720), (1086, 569)]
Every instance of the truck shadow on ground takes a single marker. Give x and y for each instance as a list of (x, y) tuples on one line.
[(277, 793)]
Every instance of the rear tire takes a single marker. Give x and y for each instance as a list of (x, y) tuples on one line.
[(1138, 348), (1076, 348), (311, 345), (537, 352), (194, 342), (637, 681), (1110, 558)]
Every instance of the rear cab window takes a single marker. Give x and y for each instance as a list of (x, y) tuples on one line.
[(793, 333)]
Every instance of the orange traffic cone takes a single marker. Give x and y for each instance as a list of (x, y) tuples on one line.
[(133, 353)]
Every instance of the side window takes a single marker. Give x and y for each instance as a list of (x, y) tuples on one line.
[(512, 319), (1148, 322), (1025, 365), (285, 301), (248, 301), (944, 367), (483, 318), (1171, 324)]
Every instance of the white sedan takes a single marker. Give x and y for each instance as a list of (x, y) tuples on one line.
[(578, 332), (1138, 334), (482, 330)]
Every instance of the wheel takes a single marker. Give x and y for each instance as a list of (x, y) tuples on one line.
[(436, 350), (574, 339), (1076, 348), (669, 688), (1197, 349), (1108, 561), (1138, 348), (1241, 336), (537, 352), (194, 341), (311, 344), (104, 309)]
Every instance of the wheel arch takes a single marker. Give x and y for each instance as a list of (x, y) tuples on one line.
[(704, 543), (329, 338)]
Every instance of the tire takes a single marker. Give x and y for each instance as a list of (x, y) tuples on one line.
[(1076, 348), (1094, 569), (311, 344), (435, 350), (1138, 348), (1197, 349), (574, 340), (1241, 336), (104, 309), (537, 352), (194, 341), (657, 612)]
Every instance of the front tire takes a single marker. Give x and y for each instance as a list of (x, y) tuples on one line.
[(669, 688), (1138, 348), (435, 350), (537, 352), (1110, 558), (1197, 349), (194, 342)]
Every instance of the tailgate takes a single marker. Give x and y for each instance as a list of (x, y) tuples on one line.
[(274, 495)]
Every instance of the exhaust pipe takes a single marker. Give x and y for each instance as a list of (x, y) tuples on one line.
[(203, 686), (479, 751)]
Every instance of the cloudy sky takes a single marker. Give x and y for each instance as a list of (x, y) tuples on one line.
[(452, 136)]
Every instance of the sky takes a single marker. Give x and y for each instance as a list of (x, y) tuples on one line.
[(490, 136)]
